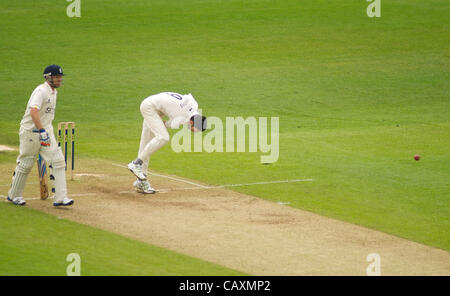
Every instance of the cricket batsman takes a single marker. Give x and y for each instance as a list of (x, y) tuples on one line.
[(36, 136), (180, 109)]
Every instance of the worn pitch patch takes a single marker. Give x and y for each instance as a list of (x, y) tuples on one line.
[(6, 148)]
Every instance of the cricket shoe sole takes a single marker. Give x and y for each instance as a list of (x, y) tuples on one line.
[(66, 202)]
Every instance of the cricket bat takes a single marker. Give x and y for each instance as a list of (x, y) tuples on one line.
[(42, 171)]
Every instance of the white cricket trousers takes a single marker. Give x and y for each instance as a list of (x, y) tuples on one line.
[(29, 147), (154, 133)]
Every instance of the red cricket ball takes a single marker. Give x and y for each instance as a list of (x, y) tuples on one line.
[(417, 157)]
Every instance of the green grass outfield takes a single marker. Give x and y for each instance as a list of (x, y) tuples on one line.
[(357, 97), (33, 243)]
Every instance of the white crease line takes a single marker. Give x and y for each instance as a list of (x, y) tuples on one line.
[(283, 203), (176, 179), (9, 185), (82, 194), (245, 184), (119, 165), (51, 197), (263, 183), (157, 191), (90, 175), (225, 185), (168, 177)]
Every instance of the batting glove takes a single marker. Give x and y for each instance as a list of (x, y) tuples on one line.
[(43, 137)]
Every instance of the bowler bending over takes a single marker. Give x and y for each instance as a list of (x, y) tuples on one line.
[(180, 109)]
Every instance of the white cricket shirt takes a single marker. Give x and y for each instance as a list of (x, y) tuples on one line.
[(179, 108), (44, 99)]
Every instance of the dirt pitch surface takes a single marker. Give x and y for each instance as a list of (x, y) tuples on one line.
[(6, 148), (235, 230)]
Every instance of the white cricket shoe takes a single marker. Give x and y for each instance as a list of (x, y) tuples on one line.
[(143, 187), (65, 202), (136, 169), (18, 201)]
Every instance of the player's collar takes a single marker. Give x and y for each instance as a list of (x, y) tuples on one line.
[(52, 90)]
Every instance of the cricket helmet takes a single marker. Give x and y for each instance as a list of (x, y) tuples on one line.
[(53, 70)]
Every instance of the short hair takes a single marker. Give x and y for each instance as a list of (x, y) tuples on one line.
[(199, 122)]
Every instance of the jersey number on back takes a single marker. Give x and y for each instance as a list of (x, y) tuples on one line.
[(176, 96)]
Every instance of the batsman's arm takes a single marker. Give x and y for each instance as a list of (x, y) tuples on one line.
[(36, 102), (34, 112), (43, 135)]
